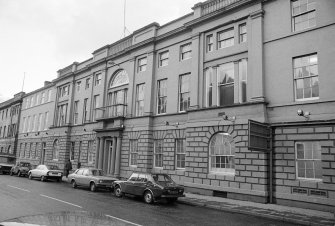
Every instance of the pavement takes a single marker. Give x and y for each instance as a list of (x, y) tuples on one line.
[(272, 211)]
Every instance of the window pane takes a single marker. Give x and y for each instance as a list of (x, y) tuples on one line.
[(226, 95)]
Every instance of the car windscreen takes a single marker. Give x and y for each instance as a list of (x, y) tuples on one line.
[(97, 172), (162, 179), (53, 167)]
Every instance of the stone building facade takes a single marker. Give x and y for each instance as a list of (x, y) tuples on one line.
[(178, 99), (10, 111)]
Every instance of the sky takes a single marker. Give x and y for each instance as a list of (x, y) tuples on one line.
[(39, 37)]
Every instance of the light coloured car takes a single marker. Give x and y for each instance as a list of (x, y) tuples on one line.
[(92, 178), (46, 172)]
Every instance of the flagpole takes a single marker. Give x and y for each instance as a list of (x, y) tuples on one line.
[(24, 76)]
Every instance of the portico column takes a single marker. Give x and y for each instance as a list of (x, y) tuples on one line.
[(113, 156), (118, 157), (101, 152), (97, 153), (105, 162)]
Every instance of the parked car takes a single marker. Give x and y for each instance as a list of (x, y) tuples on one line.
[(92, 178), (151, 187), (45, 172), (20, 169), (5, 168)]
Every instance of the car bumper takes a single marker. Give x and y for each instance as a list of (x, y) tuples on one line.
[(53, 177), (106, 186)]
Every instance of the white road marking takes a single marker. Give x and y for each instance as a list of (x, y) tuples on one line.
[(60, 200), (123, 220), (18, 188)]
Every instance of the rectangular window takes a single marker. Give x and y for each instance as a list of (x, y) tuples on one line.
[(31, 102), (306, 77), (162, 96), (32, 123), (184, 92), (242, 75), (180, 150), (85, 110), (73, 144), (37, 99), (62, 113), (139, 105), (133, 152), (142, 64), (27, 104), (90, 151), (226, 38), (158, 156), (75, 112), (35, 126), (97, 79), (185, 51), (163, 58), (209, 86), (303, 14), (225, 83), (40, 122), (88, 82), (242, 29), (209, 43), (46, 120), (95, 106), (43, 98), (64, 91), (78, 86), (49, 95), (23, 123), (308, 160)]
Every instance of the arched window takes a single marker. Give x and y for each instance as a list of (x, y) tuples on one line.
[(117, 95), (222, 154), (55, 150), (121, 78)]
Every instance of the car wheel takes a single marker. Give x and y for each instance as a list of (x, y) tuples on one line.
[(93, 187), (43, 178), (19, 174), (118, 191), (30, 176), (148, 197), (74, 184)]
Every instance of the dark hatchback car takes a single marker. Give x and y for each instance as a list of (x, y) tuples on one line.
[(20, 169), (151, 187)]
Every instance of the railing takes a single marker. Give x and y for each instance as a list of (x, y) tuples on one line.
[(212, 6), (113, 111)]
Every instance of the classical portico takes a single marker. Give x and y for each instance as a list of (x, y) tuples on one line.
[(108, 151)]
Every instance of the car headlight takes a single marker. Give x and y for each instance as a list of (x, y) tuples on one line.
[(100, 181)]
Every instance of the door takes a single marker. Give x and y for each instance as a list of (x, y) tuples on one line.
[(140, 184), (129, 184), (43, 153)]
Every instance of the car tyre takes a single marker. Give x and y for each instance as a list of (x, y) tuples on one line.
[(148, 197), (118, 191), (93, 187), (43, 178), (74, 184), (19, 174)]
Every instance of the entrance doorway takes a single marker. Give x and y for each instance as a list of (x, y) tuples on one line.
[(110, 169)]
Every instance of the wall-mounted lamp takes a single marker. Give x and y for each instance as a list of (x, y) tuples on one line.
[(25, 135), (38, 133), (84, 130), (305, 114), (46, 133)]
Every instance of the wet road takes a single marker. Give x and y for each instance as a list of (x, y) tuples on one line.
[(22, 197)]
